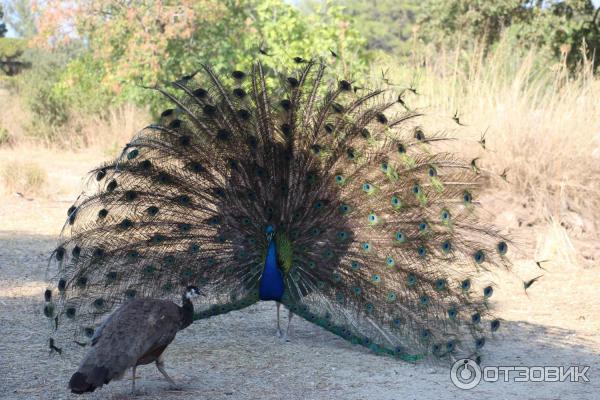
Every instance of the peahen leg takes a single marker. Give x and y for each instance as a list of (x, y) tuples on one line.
[(286, 337), (160, 364), (279, 334), (133, 379)]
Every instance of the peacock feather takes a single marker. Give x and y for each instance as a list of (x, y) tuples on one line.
[(339, 205)]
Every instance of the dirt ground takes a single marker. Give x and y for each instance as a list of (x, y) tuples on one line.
[(237, 356)]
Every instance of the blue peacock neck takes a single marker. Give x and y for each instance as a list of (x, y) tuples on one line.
[(271, 282)]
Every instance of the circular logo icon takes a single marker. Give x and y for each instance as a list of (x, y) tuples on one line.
[(465, 374)]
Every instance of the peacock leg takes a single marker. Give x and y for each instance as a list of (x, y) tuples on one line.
[(160, 364), (133, 379), (279, 334), (287, 331)]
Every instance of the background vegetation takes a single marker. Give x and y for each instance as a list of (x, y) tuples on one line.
[(522, 72)]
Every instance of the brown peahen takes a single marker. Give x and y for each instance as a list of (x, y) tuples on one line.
[(136, 334), (296, 188)]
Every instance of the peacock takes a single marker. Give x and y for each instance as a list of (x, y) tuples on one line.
[(136, 334), (296, 187)]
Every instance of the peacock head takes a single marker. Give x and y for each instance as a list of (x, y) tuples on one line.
[(191, 292), (270, 232)]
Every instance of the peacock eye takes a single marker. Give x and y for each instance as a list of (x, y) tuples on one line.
[(502, 248), (479, 256), (467, 198), (239, 93), (243, 114), (342, 235), (400, 237), (488, 291), (446, 246), (344, 85), (345, 208), (419, 134), (445, 215), (133, 154), (200, 93), (209, 110), (368, 188), (411, 280), (175, 124), (494, 325), (60, 253), (381, 118), (238, 75), (293, 82)]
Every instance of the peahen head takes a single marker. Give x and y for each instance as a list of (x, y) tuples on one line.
[(191, 292)]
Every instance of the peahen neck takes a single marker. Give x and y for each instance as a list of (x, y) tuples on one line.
[(186, 312), (271, 281)]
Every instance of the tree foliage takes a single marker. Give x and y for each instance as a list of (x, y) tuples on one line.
[(142, 42), (2, 24), (561, 26), (20, 17), (386, 25)]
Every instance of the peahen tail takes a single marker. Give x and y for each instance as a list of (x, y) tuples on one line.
[(376, 227)]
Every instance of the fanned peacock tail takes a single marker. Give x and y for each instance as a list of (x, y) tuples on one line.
[(377, 231)]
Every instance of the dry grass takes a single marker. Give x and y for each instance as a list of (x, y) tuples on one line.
[(540, 122), (110, 132), (107, 132), (23, 177)]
